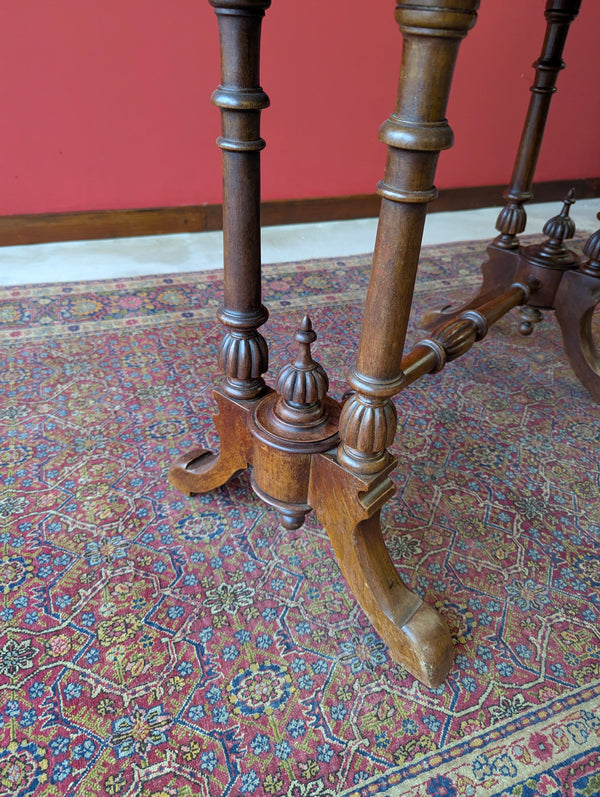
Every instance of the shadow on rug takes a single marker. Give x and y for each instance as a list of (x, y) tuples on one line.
[(157, 645)]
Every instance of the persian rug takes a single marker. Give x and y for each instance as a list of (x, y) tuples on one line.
[(161, 646)]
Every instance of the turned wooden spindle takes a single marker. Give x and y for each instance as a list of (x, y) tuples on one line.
[(452, 337), (513, 217), (243, 354), (415, 134)]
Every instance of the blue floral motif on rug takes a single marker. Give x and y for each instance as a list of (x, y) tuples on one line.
[(156, 645)]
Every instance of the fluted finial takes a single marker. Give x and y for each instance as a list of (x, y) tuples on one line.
[(552, 253), (591, 250), (305, 336), (559, 228), (302, 383)]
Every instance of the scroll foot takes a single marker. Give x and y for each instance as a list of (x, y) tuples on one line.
[(200, 470), (349, 507)]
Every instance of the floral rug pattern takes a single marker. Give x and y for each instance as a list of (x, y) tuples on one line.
[(161, 646)]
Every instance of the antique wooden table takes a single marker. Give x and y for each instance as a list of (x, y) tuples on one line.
[(307, 452)]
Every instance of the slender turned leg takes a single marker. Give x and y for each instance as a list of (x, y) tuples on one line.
[(358, 482), (243, 354), (512, 219), (503, 255), (415, 134)]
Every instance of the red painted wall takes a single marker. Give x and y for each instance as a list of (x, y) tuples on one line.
[(106, 103)]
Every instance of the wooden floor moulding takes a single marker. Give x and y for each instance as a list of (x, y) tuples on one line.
[(97, 224)]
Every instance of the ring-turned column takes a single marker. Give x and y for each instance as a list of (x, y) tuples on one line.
[(513, 218), (415, 134), (243, 355)]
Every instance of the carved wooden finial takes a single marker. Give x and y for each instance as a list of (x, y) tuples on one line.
[(302, 383), (553, 253), (305, 336), (559, 228), (591, 250)]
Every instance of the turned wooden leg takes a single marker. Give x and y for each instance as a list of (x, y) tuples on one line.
[(577, 297), (500, 267), (415, 134), (513, 218), (358, 483), (243, 353)]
